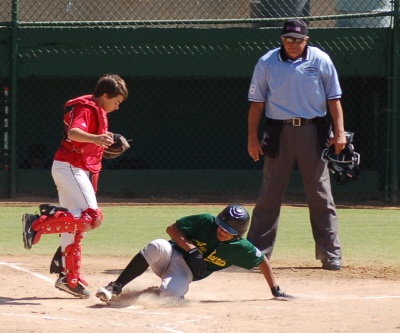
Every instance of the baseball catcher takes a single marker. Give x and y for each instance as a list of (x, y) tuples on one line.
[(75, 170), (200, 245), (117, 148)]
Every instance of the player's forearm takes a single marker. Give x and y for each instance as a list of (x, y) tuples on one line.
[(179, 238), (266, 269), (102, 140), (78, 135)]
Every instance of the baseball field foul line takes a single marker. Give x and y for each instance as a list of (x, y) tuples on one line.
[(45, 278), (168, 329), (379, 297), (321, 296), (36, 316), (15, 266)]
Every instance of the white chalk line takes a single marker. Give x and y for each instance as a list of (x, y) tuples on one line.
[(166, 327), (58, 318), (352, 297), (47, 279), (36, 316), (17, 267), (170, 329), (380, 297)]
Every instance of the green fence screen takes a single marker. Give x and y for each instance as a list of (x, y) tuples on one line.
[(188, 65)]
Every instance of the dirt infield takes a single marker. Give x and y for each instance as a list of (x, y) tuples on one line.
[(357, 299), (360, 299)]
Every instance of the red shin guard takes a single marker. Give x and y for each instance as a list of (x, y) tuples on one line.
[(73, 256)]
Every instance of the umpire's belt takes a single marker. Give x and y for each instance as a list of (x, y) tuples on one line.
[(293, 121)]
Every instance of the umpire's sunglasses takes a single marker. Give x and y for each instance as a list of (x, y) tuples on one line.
[(294, 40)]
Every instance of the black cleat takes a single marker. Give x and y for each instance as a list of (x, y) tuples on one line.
[(80, 291), (28, 234), (49, 210)]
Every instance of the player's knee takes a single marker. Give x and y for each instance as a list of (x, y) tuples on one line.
[(93, 218), (156, 250)]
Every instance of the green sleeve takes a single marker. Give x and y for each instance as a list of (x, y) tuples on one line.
[(248, 256), (193, 224)]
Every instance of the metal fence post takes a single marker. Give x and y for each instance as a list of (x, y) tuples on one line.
[(394, 165), (12, 177)]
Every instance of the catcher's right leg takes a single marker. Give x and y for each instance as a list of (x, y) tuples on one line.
[(59, 222), (53, 219), (32, 223), (28, 234)]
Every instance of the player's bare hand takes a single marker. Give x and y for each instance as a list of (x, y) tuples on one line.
[(104, 140)]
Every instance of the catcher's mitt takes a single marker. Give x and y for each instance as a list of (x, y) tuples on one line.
[(117, 148)]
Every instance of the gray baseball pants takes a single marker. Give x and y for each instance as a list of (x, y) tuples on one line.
[(297, 145), (169, 265)]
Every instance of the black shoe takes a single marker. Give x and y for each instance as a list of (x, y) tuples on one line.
[(80, 290), (332, 264), (49, 210), (28, 234)]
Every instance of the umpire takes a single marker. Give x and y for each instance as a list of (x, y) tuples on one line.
[(293, 85)]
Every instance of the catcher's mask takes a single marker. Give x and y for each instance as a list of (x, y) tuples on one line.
[(345, 165), (233, 219)]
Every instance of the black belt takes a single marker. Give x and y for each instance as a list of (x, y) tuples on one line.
[(293, 121)]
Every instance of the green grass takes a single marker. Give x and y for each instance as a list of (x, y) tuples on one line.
[(368, 236)]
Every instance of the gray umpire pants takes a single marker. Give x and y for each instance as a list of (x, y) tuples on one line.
[(297, 145)]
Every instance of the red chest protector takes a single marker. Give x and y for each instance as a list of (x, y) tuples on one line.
[(83, 155)]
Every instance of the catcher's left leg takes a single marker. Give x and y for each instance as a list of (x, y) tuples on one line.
[(56, 262), (69, 279)]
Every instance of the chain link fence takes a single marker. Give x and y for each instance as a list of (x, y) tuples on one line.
[(190, 13), (187, 108)]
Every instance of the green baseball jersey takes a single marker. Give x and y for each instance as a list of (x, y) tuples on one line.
[(202, 231)]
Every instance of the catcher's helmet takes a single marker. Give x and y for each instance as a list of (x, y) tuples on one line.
[(345, 165), (233, 219)]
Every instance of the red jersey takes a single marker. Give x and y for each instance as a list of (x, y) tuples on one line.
[(89, 117)]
